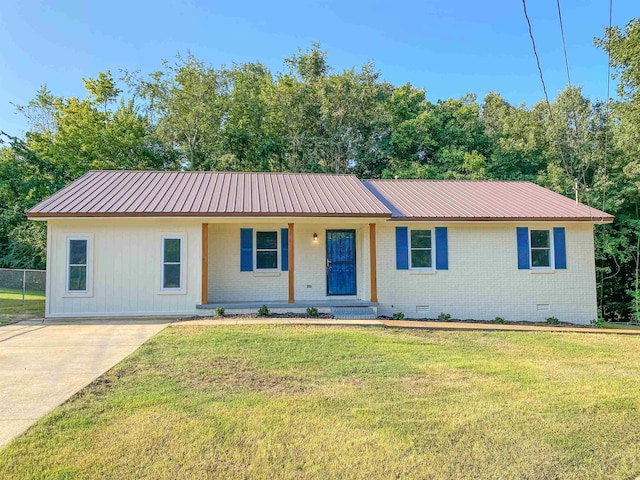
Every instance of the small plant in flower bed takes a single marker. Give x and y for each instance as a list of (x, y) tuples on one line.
[(398, 316), (220, 311), (312, 312), (263, 311), (598, 322), (444, 317), (499, 320), (553, 321)]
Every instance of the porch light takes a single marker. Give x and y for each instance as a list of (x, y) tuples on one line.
[(315, 237)]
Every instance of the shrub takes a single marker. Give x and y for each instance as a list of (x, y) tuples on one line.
[(312, 312), (598, 322), (444, 317), (398, 316), (263, 311), (553, 321), (499, 320), (220, 311)]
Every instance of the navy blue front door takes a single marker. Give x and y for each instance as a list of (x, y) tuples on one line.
[(341, 262)]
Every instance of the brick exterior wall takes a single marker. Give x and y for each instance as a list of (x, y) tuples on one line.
[(483, 280)]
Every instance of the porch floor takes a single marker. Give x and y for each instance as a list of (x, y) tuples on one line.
[(298, 304)]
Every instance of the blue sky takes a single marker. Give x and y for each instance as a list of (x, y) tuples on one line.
[(448, 47)]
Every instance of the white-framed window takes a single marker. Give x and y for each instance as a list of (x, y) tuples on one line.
[(421, 249), (78, 264), (267, 252), (172, 258), (541, 248)]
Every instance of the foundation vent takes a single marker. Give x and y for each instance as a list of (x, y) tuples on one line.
[(423, 308)]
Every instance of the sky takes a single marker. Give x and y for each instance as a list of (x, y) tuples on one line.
[(447, 47)]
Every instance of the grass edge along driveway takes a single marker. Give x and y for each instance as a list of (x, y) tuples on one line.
[(292, 401)]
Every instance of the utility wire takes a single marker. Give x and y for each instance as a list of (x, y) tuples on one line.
[(564, 45), (607, 114), (544, 87), (574, 130), (606, 144)]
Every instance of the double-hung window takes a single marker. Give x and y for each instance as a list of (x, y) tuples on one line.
[(267, 250), (421, 249), (171, 263), (77, 265), (541, 249)]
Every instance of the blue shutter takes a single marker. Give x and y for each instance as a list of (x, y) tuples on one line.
[(559, 248), (442, 249), (284, 249), (246, 249), (523, 248), (402, 248)]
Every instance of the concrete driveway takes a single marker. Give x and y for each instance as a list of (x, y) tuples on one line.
[(43, 363)]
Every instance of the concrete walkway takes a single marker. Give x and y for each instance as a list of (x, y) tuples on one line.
[(468, 326), (42, 364)]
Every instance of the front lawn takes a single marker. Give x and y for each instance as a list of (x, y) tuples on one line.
[(314, 402), (620, 325), (12, 308)]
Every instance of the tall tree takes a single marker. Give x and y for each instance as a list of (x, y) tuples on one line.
[(188, 100)]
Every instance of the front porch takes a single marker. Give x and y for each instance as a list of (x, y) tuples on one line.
[(330, 266)]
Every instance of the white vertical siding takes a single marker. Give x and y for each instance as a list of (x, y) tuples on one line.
[(125, 270)]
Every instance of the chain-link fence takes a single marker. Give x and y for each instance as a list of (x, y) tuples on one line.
[(22, 281)]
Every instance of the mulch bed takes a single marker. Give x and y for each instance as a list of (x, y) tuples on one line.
[(322, 316)]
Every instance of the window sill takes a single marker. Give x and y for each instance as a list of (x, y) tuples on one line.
[(267, 274), (543, 270), (177, 291), (422, 272), (78, 295)]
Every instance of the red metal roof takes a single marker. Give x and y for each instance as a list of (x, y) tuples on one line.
[(148, 193), (478, 200)]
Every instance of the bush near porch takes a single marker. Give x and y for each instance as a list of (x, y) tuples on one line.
[(312, 402)]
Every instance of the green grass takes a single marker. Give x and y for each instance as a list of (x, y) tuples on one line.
[(11, 307), (313, 402), (619, 325)]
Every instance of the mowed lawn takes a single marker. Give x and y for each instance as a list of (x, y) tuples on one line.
[(314, 402), (11, 305)]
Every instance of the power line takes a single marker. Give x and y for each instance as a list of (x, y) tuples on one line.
[(544, 87), (564, 45), (535, 52), (566, 64), (607, 113), (606, 144)]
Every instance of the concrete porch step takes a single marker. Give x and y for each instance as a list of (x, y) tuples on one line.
[(354, 313)]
